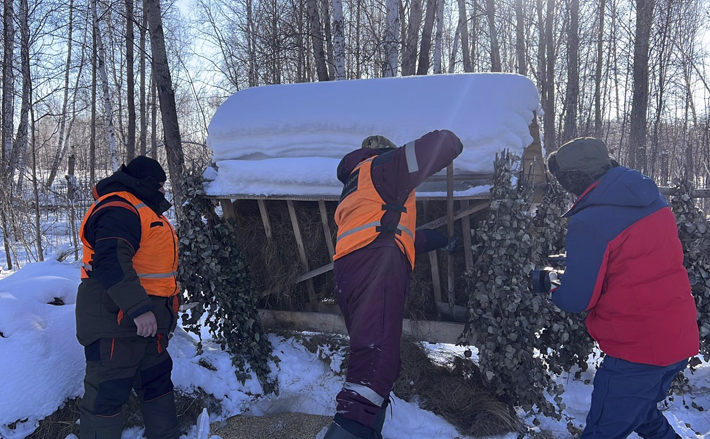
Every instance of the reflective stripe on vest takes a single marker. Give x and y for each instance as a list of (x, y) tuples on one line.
[(156, 260), (359, 215)]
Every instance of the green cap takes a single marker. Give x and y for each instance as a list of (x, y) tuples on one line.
[(585, 154), (377, 142)]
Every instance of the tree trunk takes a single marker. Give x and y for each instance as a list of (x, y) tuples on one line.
[(153, 118), (391, 55), (92, 140), (130, 84), (520, 38), (409, 53), (338, 40), (317, 40), (495, 45), (463, 24), (639, 103), (251, 45), (455, 48), (142, 98), (35, 187), (7, 121), (439, 36), (549, 100), (598, 73), (110, 132), (166, 95), (328, 32), (425, 47), (22, 129), (571, 100)]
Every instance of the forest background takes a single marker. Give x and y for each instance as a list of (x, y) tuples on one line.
[(89, 84)]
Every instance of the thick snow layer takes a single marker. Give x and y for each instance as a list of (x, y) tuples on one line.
[(288, 139)]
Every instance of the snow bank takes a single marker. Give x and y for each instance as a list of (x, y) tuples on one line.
[(288, 139)]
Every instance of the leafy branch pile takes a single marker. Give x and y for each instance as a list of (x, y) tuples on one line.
[(521, 336), (214, 274), (694, 234)]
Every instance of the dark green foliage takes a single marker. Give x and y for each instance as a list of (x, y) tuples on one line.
[(214, 274), (521, 336), (694, 234)]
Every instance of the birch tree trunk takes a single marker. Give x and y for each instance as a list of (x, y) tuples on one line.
[(425, 48), (317, 40), (639, 102), (153, 118), (22, 129), (391, 53), (92, 140), (439, 36), (455, 48), (493, 32), (130, 84), (598, 73), (166, 95), (463, 24), (409, 54), (338, 40), (35, 187), (108, 120), (520, 38), (251, 49), (328, 33), (7, 121), (571, 100)]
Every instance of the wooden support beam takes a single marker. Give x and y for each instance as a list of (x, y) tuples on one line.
[(422, 330), (451, 281), (326, 228), (228, 209), (466, 227), (265, 218), (302, 253), (695, 193), (435, 280)]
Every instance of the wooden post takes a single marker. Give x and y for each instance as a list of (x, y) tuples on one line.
[(326, 228), (302, 254), (435, 280), (466, 226), (265, 218), (228, 209), (450, 230)]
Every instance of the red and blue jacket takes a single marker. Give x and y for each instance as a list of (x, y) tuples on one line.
[(625, 267)]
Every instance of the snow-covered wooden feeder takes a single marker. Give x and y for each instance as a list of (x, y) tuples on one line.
[(282, 143)]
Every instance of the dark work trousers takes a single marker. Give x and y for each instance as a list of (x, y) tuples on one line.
[(113, 367), (624, 400), (370, 286)]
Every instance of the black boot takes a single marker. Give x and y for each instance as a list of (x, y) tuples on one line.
[(160, 418), (100, 427), (344, 428), (380, 417)]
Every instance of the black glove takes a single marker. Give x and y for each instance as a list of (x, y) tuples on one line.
[(544, 280), (452, 244)]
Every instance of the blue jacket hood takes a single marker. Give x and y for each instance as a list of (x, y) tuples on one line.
[(620, 186)]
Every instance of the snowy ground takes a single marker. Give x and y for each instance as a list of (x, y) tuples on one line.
[(42, 365)]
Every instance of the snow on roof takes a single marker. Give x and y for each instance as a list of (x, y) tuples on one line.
[(288, 139)]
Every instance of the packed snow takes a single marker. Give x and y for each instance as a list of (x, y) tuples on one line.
[(43, 365), (288, 139)]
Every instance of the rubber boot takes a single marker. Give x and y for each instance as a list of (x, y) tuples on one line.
[(100, 427), (160, 418), (335, 431)]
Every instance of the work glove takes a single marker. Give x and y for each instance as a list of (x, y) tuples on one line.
[(452, 244)]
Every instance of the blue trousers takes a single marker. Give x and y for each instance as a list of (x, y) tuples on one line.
[(624, 400)]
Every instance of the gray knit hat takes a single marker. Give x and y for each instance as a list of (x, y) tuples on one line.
[(377, 142), (584, 154)]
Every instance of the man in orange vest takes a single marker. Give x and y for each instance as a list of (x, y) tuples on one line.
[(127, 303), (375, 249)]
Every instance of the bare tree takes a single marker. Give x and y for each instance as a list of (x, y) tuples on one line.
[(598, 72), (425, 48), (439, 36), (108, 109), (26, 102), (493, 33), (142, 98), (409, 51), (548, 99), (7, 119), (520, 38), (571, 99), (338, 40), (166, 94), (639, 105), (391, 55), (463, 24), (317, 40), (130, 84)]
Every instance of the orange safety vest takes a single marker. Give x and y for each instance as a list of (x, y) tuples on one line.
[(360, 212), (156, 260)]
